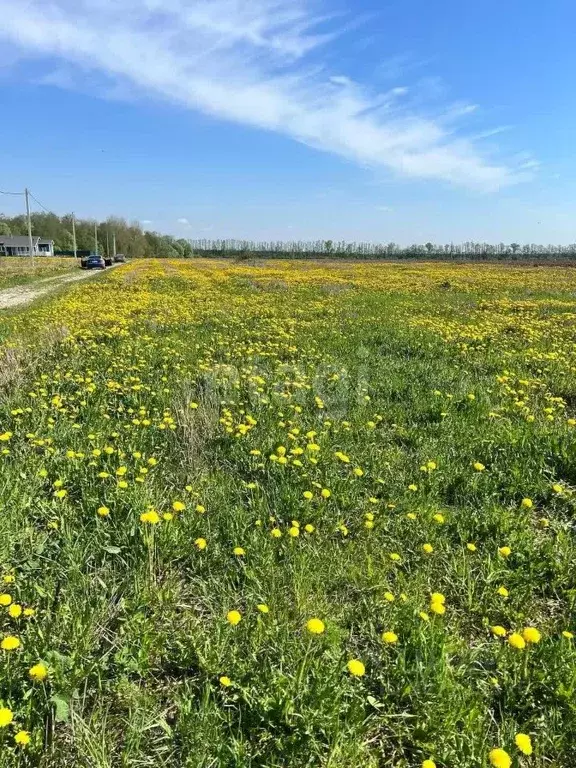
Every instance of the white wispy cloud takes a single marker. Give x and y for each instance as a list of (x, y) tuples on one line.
[(258, 63), (182, 221)]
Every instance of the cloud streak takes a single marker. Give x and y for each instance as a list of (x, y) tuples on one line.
[(259, 64)]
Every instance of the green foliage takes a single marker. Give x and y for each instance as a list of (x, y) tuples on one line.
[(131, 240)]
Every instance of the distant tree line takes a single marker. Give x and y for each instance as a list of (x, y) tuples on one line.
[(131, 239), (137, 243), (324, 249)]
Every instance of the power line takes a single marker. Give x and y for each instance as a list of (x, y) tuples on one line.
[(39, 203), (11, 193)]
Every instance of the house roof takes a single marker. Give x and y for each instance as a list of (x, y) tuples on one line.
[(19, 241)]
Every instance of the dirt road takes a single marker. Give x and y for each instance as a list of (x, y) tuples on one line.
[(24, 294)]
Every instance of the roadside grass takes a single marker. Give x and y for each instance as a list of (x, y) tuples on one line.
[(16, 271), (363, 446)]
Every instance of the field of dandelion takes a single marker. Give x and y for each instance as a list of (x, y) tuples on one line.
[(290, 514)]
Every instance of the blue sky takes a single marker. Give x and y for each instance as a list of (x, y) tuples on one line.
[(356, 119)]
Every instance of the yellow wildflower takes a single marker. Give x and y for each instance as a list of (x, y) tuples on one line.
[(524, 743), (6, 717), (356, 668), (234, 617), (499, 758), (315, 626)]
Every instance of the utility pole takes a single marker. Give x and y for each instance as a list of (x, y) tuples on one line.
[(107, 243), (96, 238), (114, 244), (30, 245), (74, 234)]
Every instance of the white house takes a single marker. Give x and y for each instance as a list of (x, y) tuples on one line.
[(19, 245)]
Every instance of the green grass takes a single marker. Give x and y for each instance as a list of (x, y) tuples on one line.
[(16, 271), (131, 617)]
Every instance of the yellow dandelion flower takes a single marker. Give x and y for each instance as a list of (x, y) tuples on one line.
[(478, 466), (315, 626), (389, 597), (5, 599), (263, 608), (356, 668), (15, 611), (390, 637), (103, 511), (504, 551), (471, 547), (233, 617), (294, 531), (6, 717), (22, 738), (438, 608), (225, 681), (10, 643), (524, 743), (428, 548), (517, 641), (151, 517), (38, 672), (437, 597), (178, 506), (200, 543), (498, 630), (527, 503), (309, 528), (531, 635), (499, 758)]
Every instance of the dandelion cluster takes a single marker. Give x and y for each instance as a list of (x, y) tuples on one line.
[(289, 512)]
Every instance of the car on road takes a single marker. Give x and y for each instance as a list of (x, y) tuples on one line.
[(119, 258), (94, 261)]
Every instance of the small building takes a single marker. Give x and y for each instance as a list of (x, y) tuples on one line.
[(19, 245)]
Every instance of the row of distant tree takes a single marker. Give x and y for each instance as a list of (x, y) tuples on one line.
[(136, 243), (331, 249)]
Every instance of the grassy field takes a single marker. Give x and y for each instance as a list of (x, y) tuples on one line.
[(290, 514), (23, 271)]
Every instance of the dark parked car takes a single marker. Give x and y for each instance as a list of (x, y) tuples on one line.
[(94, 261)]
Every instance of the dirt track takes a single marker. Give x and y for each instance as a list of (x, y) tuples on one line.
[(24, 294)]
